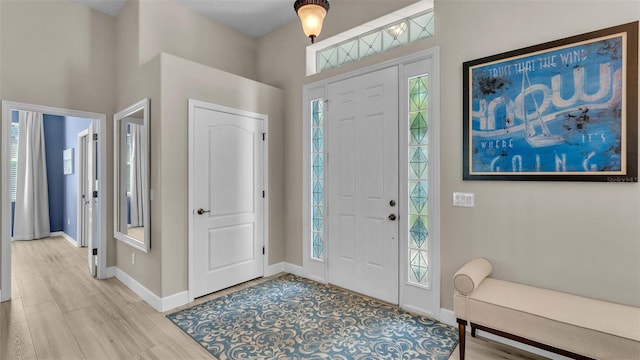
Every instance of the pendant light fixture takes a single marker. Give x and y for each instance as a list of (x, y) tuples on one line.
[(311, 13)]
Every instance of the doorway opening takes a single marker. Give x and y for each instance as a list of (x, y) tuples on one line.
[(64, 176)]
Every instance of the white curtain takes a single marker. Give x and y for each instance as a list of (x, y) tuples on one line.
[(31, 219), (137, 171)]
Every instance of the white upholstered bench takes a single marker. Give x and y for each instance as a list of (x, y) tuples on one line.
[(565, 324)]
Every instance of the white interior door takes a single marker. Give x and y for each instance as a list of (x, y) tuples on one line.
[(363, 184), (90, 203), (228, 184), (83, 196)]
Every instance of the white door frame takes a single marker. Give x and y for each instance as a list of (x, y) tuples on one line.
[(82, 168), (193, 105), (317, 270), (7, 107)]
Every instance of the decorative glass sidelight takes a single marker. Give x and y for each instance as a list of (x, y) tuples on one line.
[(418, 181), (317, 182)]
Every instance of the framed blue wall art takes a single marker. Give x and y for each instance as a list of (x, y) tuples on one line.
[(565, 110)]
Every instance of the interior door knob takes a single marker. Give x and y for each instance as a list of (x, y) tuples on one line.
[(392, 217), (202, 211)]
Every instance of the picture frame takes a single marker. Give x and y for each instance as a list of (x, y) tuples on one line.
[(67, 161), (565, 110)]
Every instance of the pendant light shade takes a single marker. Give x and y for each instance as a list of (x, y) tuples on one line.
[(311, 13)]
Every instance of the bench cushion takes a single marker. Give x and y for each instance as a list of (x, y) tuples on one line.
[(616, 319), (585, 326)]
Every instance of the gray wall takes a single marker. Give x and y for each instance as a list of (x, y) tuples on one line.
[(581, 238), (576, 237), (60, 54), (183, 80), (146, 69), (166, 26)]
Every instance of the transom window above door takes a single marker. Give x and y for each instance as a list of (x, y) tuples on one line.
[(402, 27)]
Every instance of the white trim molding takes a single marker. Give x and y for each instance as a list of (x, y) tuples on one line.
[(163, 304), (193, 104), (66, 236), (417, 299), (5, 221), (274, 269), (448, 317), (294, 269), (160, 304)]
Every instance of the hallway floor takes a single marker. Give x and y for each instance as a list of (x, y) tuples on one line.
[(58, 311)]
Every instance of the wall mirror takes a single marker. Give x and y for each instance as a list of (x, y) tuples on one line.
[(131, 169)]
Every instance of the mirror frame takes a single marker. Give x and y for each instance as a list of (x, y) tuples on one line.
[(118, 118)]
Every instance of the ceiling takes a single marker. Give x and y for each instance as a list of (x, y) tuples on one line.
[(252, 17)]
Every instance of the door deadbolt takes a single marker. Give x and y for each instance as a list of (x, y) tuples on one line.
[(392, 203), (392, 217), (202, 211)]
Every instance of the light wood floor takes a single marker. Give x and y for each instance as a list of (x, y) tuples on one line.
[(58, 311), (136, 232)]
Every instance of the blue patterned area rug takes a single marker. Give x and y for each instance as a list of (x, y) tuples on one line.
[(295, 318)]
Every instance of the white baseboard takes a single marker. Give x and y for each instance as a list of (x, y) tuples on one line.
[(175, 300), (448, 317), (111, 272), (271, 270), (66, 236), (294, 269), (419, 311), (158, 303)]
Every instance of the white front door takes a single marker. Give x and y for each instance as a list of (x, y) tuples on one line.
[(227, 195), (90, 203), (363, 184)]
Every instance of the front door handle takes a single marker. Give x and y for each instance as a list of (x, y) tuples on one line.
[(202, 211), (392, 217)]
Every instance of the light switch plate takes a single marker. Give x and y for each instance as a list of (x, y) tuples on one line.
[(464, 199)]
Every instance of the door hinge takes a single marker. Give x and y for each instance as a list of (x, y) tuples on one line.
[(263, 250), (94, 252), (95, 136), (263, 194), (95, 194), (264, 136)]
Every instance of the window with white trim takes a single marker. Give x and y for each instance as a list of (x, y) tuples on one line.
[(402, 27), (377, 41)]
